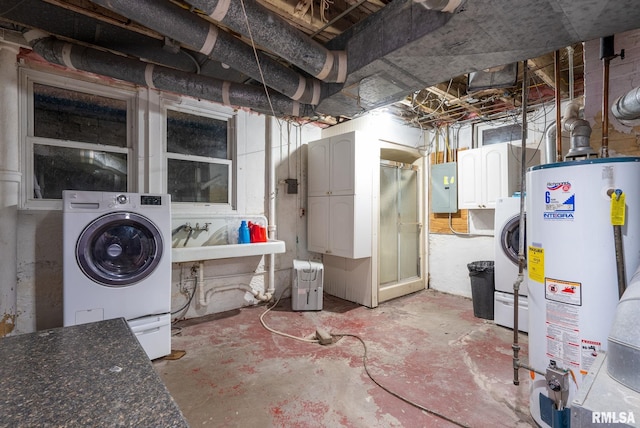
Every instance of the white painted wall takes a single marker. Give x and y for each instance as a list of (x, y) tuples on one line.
[(448, 259)]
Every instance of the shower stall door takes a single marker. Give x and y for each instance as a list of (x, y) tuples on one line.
[(400, 230)]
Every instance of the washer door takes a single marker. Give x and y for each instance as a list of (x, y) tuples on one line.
[(510, 239), (119, 249)]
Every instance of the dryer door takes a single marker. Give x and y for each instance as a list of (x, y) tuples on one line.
[(510, 239), (119, 249)]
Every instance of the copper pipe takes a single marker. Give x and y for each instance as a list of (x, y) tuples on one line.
[(558, 95), (604, 151)]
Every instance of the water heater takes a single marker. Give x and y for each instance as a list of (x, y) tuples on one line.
[(573, 285)]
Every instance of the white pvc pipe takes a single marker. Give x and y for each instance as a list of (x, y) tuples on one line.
[(9, 188), (271, 216), (202, 295), (243, 287)]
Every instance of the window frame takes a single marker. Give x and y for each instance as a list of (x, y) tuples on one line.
[(213, 111), (27, 78)]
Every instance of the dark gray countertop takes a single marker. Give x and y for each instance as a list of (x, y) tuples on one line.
[(90, 375)]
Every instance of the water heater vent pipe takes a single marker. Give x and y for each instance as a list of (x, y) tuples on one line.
[(579, 131)]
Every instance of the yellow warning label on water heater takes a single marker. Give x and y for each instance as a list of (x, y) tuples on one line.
[(535, 263), (617, 209)]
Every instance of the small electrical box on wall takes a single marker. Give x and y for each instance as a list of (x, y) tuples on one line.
[(292, 185), (444, 188)]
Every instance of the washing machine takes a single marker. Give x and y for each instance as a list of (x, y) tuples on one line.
[(117, 263), (507, 239)]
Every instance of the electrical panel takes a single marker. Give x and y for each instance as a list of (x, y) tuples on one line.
[(444, 188)]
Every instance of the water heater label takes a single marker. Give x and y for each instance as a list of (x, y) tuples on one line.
[(563, 334), (535, 263), (559, 201), (590, 350), (563, 291)]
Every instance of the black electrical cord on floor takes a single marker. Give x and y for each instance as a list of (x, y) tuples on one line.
[(186, 305), (364, 363), (406, 400)]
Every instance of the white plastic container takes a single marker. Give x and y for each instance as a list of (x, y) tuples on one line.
[(306, 292)]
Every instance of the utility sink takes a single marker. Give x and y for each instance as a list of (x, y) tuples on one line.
[(198, 238), (209, 252)]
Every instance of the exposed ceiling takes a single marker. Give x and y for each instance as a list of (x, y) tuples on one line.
[(335, 58)]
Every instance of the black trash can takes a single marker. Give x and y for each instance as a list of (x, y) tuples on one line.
[(482, 288)]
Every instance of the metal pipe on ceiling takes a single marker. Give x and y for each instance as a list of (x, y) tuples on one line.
[(190, 30), (267, 29), (163, 78), (627, 107)]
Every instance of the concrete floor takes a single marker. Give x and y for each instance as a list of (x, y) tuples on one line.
[(427, 347)]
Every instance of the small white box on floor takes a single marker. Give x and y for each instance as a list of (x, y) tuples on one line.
[(306, 291)]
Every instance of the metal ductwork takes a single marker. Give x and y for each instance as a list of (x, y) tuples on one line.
[(275, 34), (75, 26), (550, 144), (158, 77), (627, 108), (579, 132), (624, 341), (196, 33), (405, 47)]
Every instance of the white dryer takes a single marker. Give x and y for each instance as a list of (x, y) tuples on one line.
[(117, 263), (507, 240)]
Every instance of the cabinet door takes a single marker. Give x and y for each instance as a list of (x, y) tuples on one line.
[(494, 174), (318, 169), (343, 164), (341, 226), (469, 174), (318, 224)]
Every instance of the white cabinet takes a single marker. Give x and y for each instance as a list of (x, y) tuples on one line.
[(340, 174), (340, 165), (491, 172)]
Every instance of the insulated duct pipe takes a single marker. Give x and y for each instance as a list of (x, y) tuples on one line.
[(627, 107), (196, 33), (449, 6), (163, 78), (275, 34)]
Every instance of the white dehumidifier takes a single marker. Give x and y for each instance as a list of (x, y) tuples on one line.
[(306, 293)]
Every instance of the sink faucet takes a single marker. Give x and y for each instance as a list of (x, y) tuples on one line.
[(204, 228), (186, 227)]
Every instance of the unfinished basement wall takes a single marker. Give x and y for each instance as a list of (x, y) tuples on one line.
[(471, 238), (624, 75), (39, 280)]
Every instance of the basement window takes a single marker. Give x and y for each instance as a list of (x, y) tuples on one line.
[(199, 156), (77, 138)]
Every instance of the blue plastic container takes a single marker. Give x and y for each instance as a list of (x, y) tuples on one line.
[(243, 233)]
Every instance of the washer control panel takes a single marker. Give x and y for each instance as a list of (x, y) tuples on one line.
[(150, 200)]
